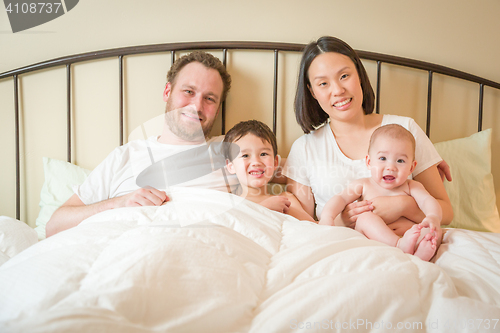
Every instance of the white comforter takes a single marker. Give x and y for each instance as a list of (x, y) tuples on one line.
[(212, 262)]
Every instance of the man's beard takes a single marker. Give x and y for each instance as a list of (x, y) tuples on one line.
[(195, 132)]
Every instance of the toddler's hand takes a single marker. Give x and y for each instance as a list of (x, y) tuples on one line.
[(278, 203)]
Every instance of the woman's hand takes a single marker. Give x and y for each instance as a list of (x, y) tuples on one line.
[(444, 171), (390, 209), (351, 212)]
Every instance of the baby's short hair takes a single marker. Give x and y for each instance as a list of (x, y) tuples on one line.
[(255, 127), (394, 131)]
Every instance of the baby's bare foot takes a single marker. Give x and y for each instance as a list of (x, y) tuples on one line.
[(408, 241), (427, 247)]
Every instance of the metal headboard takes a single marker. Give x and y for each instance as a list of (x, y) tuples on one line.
[(119, 53)]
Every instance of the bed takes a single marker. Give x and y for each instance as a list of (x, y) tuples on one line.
[(231, 265)]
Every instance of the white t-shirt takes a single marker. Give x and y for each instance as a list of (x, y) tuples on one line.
[(316, 160), (117, 174)]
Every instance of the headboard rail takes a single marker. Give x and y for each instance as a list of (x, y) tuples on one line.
[(119, 53)]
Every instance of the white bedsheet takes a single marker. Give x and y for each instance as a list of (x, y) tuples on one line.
[(212, 262)]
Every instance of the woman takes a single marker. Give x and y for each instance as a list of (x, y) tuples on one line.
[(334, 106)]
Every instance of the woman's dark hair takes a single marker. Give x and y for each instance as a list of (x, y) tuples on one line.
[(308, 112)]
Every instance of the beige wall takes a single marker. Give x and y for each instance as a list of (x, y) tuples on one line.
[(461, 34)]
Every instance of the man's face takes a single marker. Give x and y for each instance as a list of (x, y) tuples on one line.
[(193, 102)]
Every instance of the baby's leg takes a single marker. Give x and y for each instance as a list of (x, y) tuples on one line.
[(373, 227), (402, 225), (409, 240)]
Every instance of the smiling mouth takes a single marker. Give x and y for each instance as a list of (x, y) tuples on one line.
[(192, 116), (389, 178), (344, 102), (256, 173)]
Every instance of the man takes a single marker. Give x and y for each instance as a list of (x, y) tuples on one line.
[(197, 85)]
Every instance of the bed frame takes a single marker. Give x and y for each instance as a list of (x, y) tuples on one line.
[(225, 47)]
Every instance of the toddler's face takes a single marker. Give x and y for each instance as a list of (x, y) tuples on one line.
[(255, 164), (390, 161)]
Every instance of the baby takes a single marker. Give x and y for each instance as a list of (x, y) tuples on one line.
[(391, 159), (254, 165)]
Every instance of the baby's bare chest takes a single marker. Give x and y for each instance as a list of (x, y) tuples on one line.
[(371, 191)]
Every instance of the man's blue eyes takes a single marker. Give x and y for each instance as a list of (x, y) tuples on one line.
[(190, 92)]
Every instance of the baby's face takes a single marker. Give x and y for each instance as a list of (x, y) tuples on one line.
[(255, 163), (390, 161)]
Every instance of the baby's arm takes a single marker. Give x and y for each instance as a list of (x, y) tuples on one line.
[(426, 202), (337, 203), (296, 209)]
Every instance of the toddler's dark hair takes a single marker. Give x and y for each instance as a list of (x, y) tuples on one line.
[(255, 127)]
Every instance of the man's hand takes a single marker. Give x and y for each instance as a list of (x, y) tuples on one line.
[(142, 197), (278, 203), (74, 211)]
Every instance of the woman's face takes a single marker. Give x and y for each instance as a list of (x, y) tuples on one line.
[(335, 85)]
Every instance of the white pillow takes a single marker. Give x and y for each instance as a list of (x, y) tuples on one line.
[(15, 236), (60, 176), (471, 191)]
